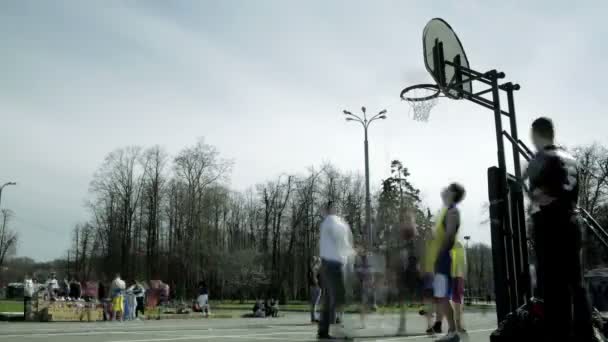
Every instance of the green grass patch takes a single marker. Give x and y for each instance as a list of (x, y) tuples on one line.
[(11, 306)]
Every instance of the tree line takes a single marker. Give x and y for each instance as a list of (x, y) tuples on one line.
[(175, 218)]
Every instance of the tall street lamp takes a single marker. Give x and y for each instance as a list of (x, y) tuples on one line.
[(2, 187), (466, 248), (365, 122)]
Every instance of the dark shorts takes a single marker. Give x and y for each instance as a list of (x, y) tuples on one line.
[(408, 283)]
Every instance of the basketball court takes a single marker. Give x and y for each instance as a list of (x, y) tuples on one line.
[(286, 329)]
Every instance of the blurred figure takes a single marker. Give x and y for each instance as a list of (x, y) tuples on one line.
[(75, 289), (140, 292), (315, 289), (428, 297), (117, 293), (459, 269), (407, 269), (335, 249), (52, 286), (203, 298), (364, 273), (28, 294)]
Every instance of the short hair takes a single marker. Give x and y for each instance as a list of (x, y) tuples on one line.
[(543, 127), (458, 191)]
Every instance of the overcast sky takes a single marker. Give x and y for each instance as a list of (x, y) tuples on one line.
[(265, 82)]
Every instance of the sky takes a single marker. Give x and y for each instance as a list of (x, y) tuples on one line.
[(266, 82)]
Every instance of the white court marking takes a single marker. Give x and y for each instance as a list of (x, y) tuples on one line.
[(427, 336), (204, 337)]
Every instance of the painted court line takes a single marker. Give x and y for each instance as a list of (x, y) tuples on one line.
[(427, 336), (204, 337)]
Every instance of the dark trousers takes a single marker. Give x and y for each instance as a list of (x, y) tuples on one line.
[(332, 282), (27, 307), (140, 306), (557, 240)]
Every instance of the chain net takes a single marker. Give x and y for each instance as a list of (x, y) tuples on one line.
[(421, 109)]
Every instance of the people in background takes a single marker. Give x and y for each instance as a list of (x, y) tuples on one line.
[(102, 294), (75, 291), (258, 309), (140, 294), (64, 288), (28, 294), (203, 298), (274, 307), (315, 289), (117, 292), (52, 286), (130, 303)]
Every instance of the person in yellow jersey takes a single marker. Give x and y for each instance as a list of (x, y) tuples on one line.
[(446, 232), (459, 269)]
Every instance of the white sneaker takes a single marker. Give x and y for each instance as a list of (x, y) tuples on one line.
[(338, 331)]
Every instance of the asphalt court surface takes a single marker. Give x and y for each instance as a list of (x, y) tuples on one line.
[(292, 327)]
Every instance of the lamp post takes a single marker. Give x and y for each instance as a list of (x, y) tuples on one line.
[(2, 187), (365, 122), (466, 248)]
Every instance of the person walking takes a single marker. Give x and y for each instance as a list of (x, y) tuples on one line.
[(335, 249), (553, 189)]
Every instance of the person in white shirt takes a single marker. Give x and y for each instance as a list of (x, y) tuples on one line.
[(52, 286), (28, 293), (335, 250)]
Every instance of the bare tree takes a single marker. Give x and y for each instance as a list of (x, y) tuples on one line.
[(8, 237)]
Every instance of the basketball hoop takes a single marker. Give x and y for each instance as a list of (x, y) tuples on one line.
[(421, 99)]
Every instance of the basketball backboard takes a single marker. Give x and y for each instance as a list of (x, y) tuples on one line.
[(441, 44)]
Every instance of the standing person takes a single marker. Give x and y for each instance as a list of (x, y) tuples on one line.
[(117, 293), (102, 294), (52, 286), (553, 189), (28, 294), (407, 267), (459, 269), (203, 298), (445, 236), (428, 297), (140, 294), (75, 291), (315, 289), (365, 278), (130, 303), (335, 249)]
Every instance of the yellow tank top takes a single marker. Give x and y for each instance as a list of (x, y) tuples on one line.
[(459, 261), (432, 245)]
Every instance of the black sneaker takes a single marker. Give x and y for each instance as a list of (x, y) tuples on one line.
[(437, 328), (430, 331), (325, 337)]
